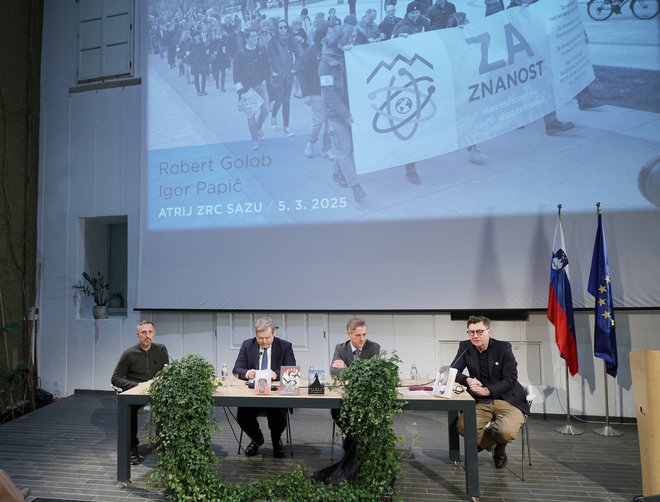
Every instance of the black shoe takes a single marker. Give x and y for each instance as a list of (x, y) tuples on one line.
[(252, 449), (278, 448), (358, 193), (412, 176), (499, 456), (588, 105), (557, 126), (136, 458)]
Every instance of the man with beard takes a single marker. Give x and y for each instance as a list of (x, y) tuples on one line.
[(137, 364)]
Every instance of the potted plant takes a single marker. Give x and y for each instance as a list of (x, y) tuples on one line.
[(97, 287)]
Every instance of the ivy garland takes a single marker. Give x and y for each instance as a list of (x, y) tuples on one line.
[(182, 405), (367, 415)]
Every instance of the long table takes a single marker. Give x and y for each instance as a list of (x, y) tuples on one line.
[(240, 395)]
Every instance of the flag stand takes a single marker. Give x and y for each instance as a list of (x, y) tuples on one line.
[(607, 430), (568, 428)]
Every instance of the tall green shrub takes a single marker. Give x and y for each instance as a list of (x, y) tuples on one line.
[(367, 414), (182, 408)]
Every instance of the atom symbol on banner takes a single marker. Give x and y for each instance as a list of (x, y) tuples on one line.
[(401, 113)]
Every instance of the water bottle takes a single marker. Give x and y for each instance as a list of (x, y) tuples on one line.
[(224, 373), (413, 373)]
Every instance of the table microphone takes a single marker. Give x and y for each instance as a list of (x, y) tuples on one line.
[(459, 356)]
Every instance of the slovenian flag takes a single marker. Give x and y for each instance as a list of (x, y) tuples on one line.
[(560, 302)]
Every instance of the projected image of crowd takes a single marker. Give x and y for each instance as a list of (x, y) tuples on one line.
[(268, 61)]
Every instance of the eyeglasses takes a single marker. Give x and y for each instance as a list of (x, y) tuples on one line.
[(476, 332), (281, 27)]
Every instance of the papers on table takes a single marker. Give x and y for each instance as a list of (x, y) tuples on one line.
[(406, 392)]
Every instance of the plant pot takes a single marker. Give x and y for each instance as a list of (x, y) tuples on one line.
[(100, 311)]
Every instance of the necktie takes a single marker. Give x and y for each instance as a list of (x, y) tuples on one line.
[(264, 360), (356, 354)]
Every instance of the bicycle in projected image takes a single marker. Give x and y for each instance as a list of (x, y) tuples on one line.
[(600, 10)]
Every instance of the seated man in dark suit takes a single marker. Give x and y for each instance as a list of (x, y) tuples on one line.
[(493, 382), (264, 351), (357, 346)]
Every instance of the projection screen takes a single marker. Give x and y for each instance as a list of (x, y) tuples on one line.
[(231, 220)]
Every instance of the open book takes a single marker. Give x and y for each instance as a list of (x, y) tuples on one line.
[(444, 382)]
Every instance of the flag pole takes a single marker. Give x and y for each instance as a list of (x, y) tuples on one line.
[(606, 430), (568, 428)]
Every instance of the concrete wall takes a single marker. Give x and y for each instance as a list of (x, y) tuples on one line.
[(90, 166)]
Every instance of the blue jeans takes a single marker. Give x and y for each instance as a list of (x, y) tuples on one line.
[(257, 121), (340, 133)]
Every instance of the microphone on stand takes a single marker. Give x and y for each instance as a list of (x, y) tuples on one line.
[(459, 356)]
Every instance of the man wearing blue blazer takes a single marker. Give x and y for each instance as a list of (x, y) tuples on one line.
[(493, 382), (264, 351)]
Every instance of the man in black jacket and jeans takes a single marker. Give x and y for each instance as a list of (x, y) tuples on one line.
[(137, 364), (251, 70), (493, 382), (310, 88)]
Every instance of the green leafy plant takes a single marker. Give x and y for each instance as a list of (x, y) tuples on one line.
[(367, 414), (182, 406), (293, 487), (98, 289), (188, 469)]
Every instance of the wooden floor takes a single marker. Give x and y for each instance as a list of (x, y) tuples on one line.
[(67, 450)]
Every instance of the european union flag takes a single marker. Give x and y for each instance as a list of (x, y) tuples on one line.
[(600, 288)]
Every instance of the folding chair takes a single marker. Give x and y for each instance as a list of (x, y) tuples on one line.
[(524, 431)]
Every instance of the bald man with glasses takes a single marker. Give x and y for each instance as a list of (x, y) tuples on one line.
[(493, 382)]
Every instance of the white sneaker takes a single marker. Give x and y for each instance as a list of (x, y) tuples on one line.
[(309, 149), (328, 154)]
